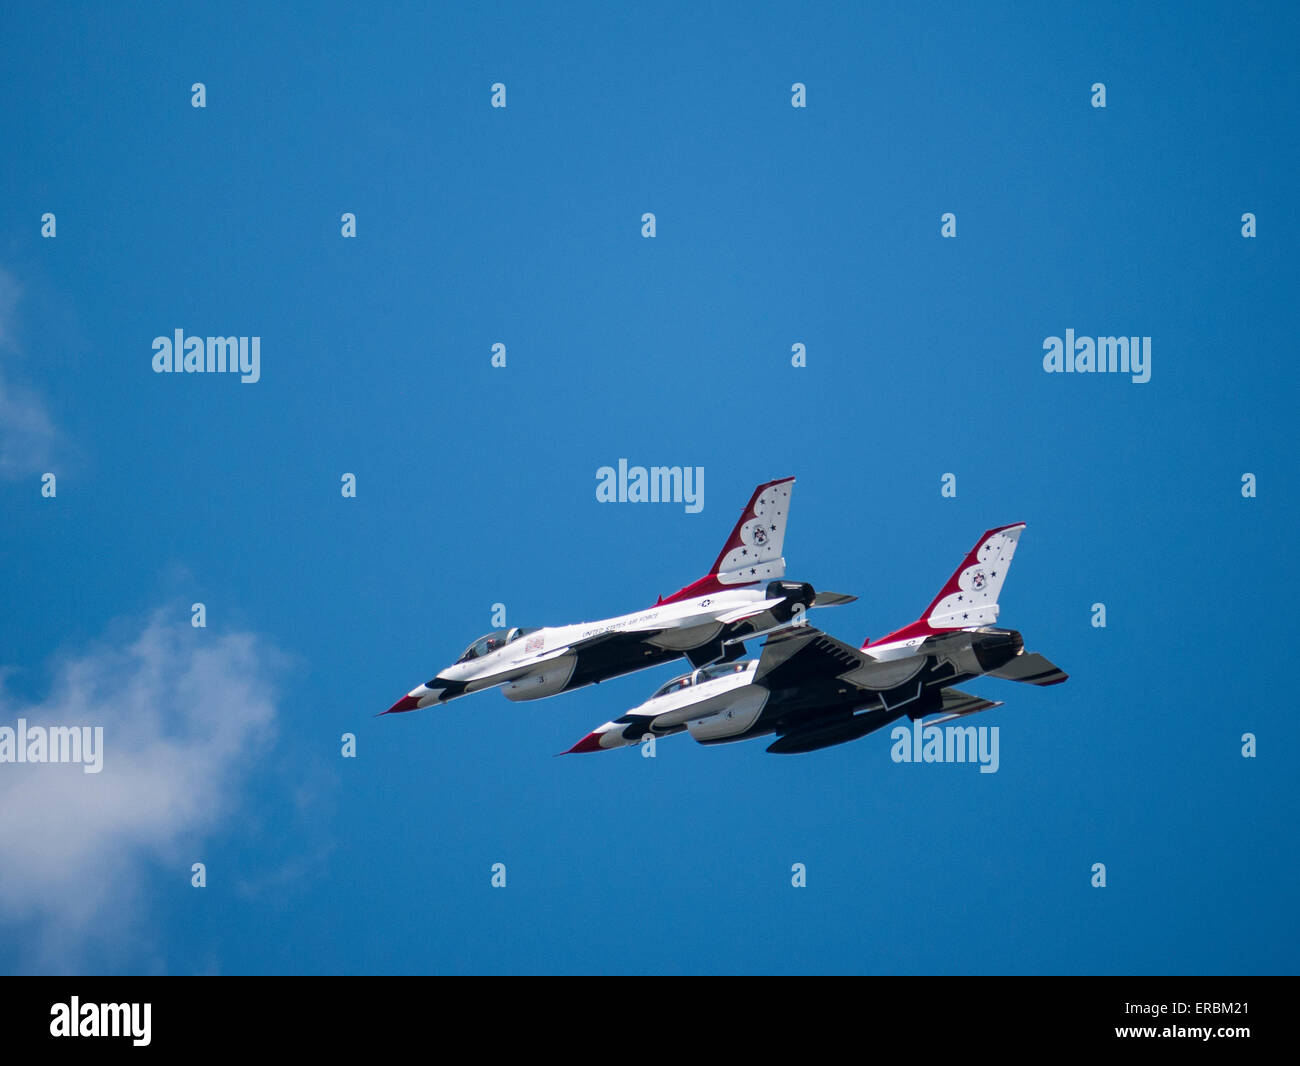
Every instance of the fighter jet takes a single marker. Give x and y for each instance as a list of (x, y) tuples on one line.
[(741, 596), (813, 691)]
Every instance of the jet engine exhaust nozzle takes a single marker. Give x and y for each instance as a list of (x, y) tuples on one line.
[(998, 648)]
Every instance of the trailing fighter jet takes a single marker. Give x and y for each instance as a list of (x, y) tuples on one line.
[(812, 691), (742, 596)]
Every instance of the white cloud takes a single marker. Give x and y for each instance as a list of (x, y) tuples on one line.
[(9, 293), (185, 714), (26, 432)]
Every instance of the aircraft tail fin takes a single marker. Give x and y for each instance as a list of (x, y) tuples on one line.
[(753, 551), (969, 598)]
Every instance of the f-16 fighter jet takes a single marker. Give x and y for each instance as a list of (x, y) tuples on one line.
[(813, 691), (741, 596)]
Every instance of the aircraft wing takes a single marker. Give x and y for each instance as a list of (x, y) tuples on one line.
[(700, 644), (803, 654), (806, 656), (610, 640)]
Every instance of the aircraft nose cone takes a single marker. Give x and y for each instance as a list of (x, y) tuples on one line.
[(406, 703), (591, 742)]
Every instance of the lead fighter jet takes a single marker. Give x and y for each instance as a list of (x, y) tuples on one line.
[(741, 596), (813, 691)]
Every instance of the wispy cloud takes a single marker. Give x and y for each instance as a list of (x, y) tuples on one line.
[(26, 431), (184, 714)]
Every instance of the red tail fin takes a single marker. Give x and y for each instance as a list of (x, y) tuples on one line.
[(753, 551), (970, 597)]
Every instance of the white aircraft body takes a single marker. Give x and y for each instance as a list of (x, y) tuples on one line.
[(742, 596)]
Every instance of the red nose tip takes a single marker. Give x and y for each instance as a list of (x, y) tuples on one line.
[(406, 703), (591, 742)]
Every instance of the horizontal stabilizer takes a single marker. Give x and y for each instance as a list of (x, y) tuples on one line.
[(1031, 668), (832, 599), (752, 610)]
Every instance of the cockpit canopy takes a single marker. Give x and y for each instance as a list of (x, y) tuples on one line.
[(498, 638), (675, 685), (707, 673)]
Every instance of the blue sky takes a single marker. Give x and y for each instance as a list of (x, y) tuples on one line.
[(476, 485)]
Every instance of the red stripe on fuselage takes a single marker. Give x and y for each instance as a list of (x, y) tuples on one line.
[(703, 587)]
